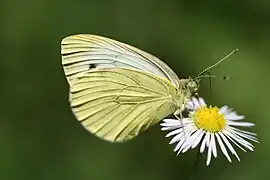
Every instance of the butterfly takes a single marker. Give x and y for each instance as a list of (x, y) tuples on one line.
[(117, 90)]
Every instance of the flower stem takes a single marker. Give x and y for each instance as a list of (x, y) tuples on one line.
[(195, 167)]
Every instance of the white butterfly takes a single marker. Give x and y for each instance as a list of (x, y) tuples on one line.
[(116, 90)]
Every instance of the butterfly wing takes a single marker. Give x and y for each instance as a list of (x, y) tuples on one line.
[(83, 52), (116, 104)]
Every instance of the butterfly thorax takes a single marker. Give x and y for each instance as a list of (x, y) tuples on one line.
[(187, 87)]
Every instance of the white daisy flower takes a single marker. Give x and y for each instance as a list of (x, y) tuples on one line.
[(209, 126)]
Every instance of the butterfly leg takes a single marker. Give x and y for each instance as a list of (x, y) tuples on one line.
[(179, 112)]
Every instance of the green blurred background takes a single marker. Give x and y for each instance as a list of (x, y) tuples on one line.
[(41, 139)]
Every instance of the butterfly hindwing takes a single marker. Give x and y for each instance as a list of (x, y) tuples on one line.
[(117, 103)]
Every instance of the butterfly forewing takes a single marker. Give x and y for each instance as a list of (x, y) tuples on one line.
[(81, 53), (117, 103)]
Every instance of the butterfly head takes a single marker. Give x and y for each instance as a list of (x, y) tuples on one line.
[(189, 86)]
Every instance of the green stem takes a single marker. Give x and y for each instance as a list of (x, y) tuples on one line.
[(195, 167)]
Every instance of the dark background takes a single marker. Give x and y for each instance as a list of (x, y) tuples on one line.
[(41, 139)]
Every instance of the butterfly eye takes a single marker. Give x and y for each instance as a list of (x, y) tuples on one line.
[(186, 86)]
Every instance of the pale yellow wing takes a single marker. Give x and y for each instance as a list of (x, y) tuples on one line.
[(83, 52), (116, 104)]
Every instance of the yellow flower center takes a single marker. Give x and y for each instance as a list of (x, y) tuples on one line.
[(209, 119)]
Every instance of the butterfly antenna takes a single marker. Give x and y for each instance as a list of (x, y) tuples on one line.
[(205, 76), (220, 61), (210, 82)]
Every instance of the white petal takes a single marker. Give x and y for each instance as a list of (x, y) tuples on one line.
[(223, 109), (182, 143), (237, 139), (208, 139), (245, 134), (242, 131), (243, 124), (177, 131), (186, 149), (202, 102), (229, 146), (171, 121), (190, 105), (234, 116), (234, 141), (188, 142), (203, 145), (198, 139), (205, 139), (213, 142), (179, 145), (209, 154), (196, 103), (223, 148), (176, 138), (170, 124), (168, 128), (192, 135), (236, 136)]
